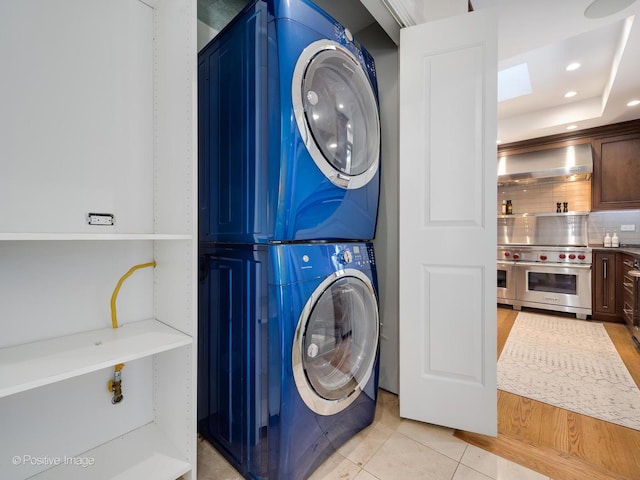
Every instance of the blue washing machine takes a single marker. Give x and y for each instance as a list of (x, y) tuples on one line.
[(289, 130), (288, 353)]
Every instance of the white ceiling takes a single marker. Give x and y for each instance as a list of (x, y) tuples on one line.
[(548, 35)]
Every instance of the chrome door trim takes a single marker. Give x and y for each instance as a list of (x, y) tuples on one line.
[(315, 402), (338, 178)]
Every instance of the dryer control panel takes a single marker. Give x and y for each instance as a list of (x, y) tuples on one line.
[(344, 257), (355, 254)]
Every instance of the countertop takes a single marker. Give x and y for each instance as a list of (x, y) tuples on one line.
[(630, 249)]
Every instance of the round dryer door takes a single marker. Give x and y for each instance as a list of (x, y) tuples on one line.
[(336, 342), (337, 114)]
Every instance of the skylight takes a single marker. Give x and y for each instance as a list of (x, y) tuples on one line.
[(513, 82)]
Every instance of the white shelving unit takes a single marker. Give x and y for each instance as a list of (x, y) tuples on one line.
[(33, 365), (90, 236), (99, 115), (141, 454)]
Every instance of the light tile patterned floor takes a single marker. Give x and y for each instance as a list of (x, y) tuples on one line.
[(391, 449)]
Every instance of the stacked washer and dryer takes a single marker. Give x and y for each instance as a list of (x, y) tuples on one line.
[(289, 155)]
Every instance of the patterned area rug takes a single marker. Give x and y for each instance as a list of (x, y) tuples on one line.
[(571, 364)]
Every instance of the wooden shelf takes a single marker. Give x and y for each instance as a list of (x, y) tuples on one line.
[(142, 453), (32, 365), (91, 236)]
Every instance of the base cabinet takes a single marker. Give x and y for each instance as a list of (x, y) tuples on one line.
[(627, 283), (604, 286)]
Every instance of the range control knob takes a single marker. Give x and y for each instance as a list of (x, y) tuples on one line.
[(572, 256), (543, 257), (563, 256), (344, 257), (516, 256), (507, 254), (581, 257)]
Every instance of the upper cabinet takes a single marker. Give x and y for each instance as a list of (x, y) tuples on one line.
[(615, 183), (616, 172)]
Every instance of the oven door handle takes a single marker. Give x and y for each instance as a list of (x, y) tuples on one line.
[(554, 265)]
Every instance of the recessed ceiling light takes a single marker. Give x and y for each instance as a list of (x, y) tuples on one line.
[(573, 66), (633, 103), (572, 127), (570, 94), (604, 8)]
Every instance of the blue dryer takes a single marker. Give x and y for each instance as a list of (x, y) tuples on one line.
[(289, 130), (288, 353)]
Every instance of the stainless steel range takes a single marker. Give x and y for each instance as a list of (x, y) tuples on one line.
[(551, 277)]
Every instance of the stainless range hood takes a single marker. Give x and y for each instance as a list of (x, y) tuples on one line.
[(570, 163)]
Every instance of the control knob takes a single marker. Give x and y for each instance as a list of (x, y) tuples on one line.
[(563, 256), (516, 256), (543, 257), (348, 35), (344, 257), (507, 254), (581, 257), (572, 256)]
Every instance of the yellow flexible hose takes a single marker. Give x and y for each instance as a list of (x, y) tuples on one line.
[(114, 296), (114, 385)]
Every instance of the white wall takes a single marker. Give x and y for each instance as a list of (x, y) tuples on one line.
[(385, 54), (205, 34)]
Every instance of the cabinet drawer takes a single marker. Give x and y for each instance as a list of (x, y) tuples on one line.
[(627, 285), (627, 311)]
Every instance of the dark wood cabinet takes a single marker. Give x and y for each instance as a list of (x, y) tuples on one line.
[(626, 289), (604, 286), (616, 172), (616, 161)]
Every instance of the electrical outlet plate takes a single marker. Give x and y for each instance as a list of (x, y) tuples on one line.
[(627, 228), (100, 218)]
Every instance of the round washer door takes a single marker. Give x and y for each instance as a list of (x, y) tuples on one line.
[(336, 342), (337, 114)]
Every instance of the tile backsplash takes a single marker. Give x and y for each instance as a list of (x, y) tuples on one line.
[(612, 221), (542, 198)]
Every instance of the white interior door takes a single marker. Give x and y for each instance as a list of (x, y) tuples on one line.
[(448, 103)]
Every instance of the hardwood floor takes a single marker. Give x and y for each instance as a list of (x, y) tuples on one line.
[(558, 443)]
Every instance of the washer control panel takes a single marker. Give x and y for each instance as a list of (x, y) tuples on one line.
[(356, 254), (344, 257), (341, 256)]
